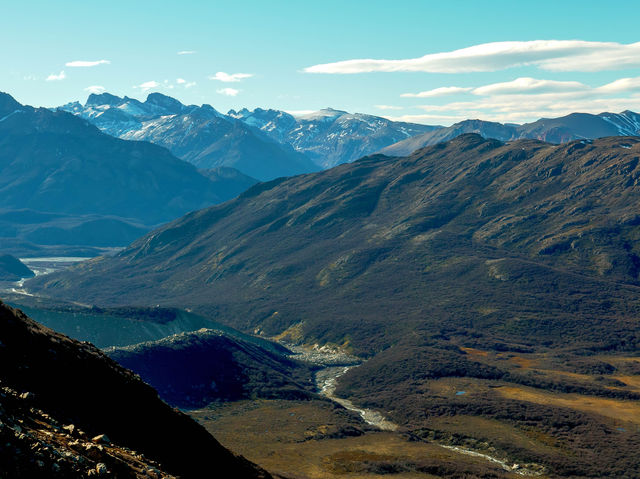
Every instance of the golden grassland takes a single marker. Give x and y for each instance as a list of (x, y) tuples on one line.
[(618, 410), (299, 439), (631, 381), (317, 439)]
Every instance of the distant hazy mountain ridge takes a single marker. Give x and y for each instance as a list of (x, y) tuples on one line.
[(61, 173), (575, 126)]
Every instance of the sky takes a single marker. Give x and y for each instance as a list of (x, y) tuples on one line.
[(429, 62)]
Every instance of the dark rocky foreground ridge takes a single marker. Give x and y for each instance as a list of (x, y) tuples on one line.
[(66, 410)]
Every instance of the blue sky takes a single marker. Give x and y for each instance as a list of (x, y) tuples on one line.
[(290, 54)]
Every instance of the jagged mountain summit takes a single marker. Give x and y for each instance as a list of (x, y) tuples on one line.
[(67, 411), (198, 134), (331, 137), (117, 116), (63, 181), (575, 126)]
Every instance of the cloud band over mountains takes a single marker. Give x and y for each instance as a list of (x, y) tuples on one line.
[(552, 55), (527, 85)]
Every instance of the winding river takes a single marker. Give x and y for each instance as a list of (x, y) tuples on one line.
[(335, 363)]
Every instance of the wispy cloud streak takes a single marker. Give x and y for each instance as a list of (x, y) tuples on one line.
[(85, 64), (553, 55)]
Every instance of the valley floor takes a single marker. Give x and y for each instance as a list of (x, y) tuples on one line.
[(316, 439)]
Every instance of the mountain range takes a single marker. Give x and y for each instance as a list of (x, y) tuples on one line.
[(260, 142), (263, 144), (197, 134), (62, 181), (489, 285), (576, 126), (331, 137)]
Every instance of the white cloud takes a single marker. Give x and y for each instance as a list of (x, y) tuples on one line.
[(388, 107), (526, 108), (300, 112), (148, 85), (621, 85), (186, 52), (233, 77), (58, 77), (97, 89), (528, 99), (442, 91), (185, 83), (428, 119), (529, 85), (554, 55), (82, 63), (228, 91), (534, 86)]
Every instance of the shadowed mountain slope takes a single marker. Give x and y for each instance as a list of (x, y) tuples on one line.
[(65, 382), (12, 269), (193, 369)]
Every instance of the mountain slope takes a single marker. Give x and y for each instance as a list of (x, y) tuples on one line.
[(317, 248), (12, 269), (65, 382), (493, 286), (575, 126), (191, 370), (199, 135), (330, 137)]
